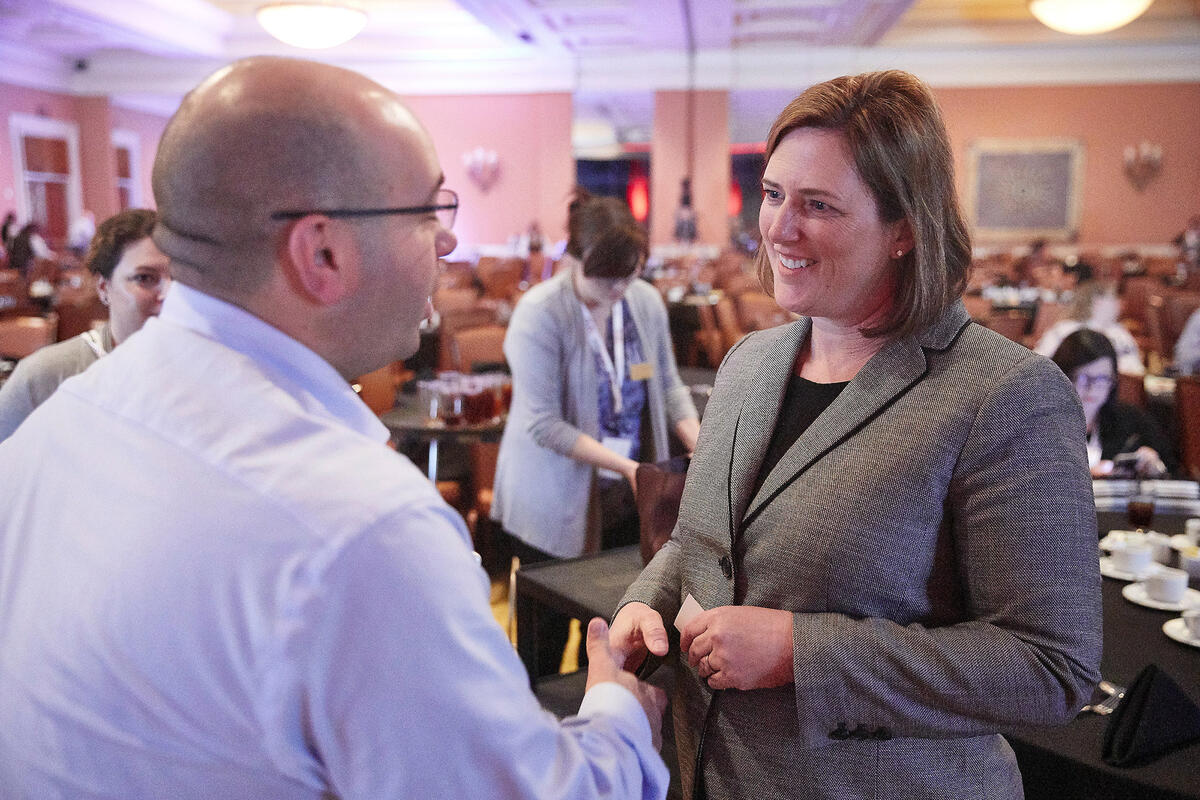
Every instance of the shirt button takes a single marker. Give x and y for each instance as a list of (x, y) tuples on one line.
[(840, 732), (726, 567)]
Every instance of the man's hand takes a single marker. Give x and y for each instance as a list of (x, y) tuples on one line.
[(740, 647), (637, 628), (603, 666)]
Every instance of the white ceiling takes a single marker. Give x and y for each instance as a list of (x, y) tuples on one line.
[(611, 54)]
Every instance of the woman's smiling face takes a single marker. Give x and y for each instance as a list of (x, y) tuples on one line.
[(831, 255)]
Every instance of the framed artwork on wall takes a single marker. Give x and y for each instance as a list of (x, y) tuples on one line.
[(1021, 189)]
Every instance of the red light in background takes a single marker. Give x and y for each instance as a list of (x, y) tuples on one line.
[(637, 193), (735, 199)]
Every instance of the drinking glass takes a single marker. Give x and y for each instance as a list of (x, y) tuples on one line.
[(1141, 511)]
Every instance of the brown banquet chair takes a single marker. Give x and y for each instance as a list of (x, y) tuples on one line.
[(20, 336), (1187, 407), (475, 347)]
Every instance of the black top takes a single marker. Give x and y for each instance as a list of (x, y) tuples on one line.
[(1125, 428), (802, 404)]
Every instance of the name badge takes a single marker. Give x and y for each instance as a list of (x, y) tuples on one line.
[(641, 372)]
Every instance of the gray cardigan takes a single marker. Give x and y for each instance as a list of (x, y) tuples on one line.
[(40, 373), (933, 533), (540, 494)]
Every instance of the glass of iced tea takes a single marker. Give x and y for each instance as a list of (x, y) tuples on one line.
[(1141, 511)]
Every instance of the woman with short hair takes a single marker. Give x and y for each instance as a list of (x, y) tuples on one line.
[(887, 532), (131, 279)]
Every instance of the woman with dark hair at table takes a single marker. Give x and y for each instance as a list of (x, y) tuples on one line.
[(131, 279), (888, 518), (1088, 358), (595, 391)]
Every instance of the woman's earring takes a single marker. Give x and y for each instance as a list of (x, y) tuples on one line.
[(899, 254)]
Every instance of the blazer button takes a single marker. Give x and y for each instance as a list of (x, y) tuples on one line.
[(726, 567), (860, 733), (840, 732), (882, 734)]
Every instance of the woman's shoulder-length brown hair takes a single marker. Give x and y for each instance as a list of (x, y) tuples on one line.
[(895, 133)]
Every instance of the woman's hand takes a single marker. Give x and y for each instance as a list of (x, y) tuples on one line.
[(638, 628), (740, 647), (1148, 465), (688, 431)]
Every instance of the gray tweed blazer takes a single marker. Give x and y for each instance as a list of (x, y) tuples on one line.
[(934, 534)]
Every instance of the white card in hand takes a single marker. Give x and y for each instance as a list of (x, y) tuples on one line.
[(687, 611)]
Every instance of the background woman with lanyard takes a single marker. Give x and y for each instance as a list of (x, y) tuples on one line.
[(595, 391)]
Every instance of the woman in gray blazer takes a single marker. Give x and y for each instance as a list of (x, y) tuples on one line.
[(888, 520), (595, 391)]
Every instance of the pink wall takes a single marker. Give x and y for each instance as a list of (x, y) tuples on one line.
[(669, 165), (96, 155), (149, 129), (532, 136), (96, 118), (1105, 119)]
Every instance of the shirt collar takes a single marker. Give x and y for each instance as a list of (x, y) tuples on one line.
[(296, 369)]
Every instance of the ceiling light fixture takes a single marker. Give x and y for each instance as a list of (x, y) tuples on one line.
[(1085, 17), (312, 24)]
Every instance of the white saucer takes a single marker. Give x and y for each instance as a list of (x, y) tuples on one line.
[(1108, 570), (1178, 541), (1136, 593), (1177, 630)]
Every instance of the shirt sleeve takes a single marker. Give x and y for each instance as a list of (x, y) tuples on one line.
[(534, 348), (407, 687)]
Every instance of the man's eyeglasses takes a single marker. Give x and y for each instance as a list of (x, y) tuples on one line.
[(444, 206)]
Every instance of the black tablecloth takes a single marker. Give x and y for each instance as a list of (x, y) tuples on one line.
[(1059, 763), (1064, 763)]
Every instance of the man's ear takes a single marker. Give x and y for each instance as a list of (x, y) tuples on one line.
[(314, 265)]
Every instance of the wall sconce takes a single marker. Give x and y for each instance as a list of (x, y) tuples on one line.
[(483, 167), (1143, 163)]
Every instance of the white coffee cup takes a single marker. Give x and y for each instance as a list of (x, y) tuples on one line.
[(1191, 619), (1191, 531), (1161, 544), (1166, 585), (1132, 557)]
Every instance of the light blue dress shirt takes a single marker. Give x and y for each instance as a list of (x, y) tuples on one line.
[(217, 581)]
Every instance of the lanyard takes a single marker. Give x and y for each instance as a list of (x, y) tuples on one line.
[(614, 365)]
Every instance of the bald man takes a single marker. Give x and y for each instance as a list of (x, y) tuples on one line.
[(215, 578)]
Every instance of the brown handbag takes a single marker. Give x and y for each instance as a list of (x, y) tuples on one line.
[(659, 490)]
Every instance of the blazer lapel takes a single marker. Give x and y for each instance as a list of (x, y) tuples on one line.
[(756, 421), (888, 374)]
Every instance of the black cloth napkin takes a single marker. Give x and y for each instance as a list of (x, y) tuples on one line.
[(1154, 718)]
